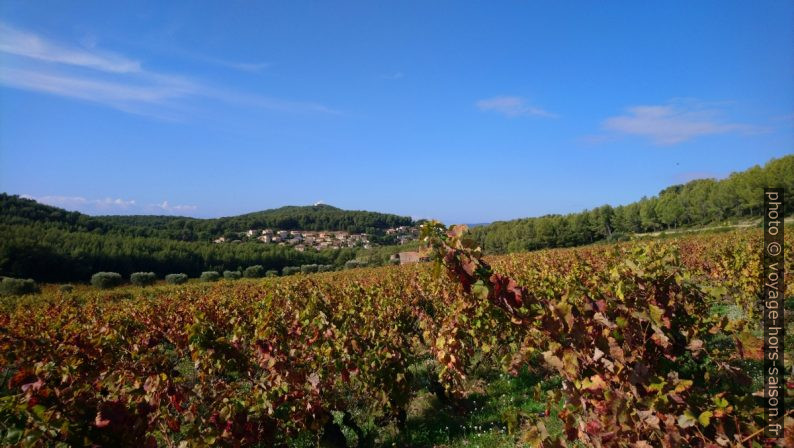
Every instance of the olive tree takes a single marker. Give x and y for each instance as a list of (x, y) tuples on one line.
[(106, 280), (255, 271), (143, 278), (176, 279), (210, 276)]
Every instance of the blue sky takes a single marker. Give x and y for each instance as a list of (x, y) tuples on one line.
[(462, 111)]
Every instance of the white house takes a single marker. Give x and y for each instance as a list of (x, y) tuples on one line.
[(410, 257)]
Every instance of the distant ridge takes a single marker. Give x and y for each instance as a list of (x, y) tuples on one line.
[(17, 210), (55, 245), (700, 202)]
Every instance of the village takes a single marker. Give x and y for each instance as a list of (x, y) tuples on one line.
[(319, 240)]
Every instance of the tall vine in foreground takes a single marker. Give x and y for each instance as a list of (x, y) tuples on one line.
[(639, 354)]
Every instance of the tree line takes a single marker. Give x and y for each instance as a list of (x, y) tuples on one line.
[(50, 254), (50, 244), (700, 202), (21, 211)]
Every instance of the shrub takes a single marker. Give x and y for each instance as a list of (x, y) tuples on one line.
[(210, 276), (309, 268), (16, 286), (271, 273), (255, 271), (67, 288), (106, 280), (176, 279), (618, 236), (289, 270), (143, 278), (232, 275), (350, 264), (325, 268)]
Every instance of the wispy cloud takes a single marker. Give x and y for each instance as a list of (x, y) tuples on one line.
[(675, 122), (81, 203), (112, 205), (152, 96), (267, 103), (97, 89), (253, 67), (512, 106), (89, 74), (22, 43), (166, 207)]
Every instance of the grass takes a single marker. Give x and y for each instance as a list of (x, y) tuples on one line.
[(495, 413), (491, 416)]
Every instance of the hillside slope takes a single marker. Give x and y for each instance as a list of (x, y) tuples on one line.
[(15, 210), (701, 202), (54, 245)]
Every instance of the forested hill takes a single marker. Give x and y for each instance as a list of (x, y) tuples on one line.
[(316, 217), (51, 244), (697, 203), (15, 210)]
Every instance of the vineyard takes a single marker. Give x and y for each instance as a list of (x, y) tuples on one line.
[(643, 344)]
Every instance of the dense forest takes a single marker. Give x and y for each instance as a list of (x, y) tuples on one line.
[(54, 245), (47, 253), (700, 202), (316, 217), (21, 211)]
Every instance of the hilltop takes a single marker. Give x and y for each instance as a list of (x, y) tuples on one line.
[(17, 210), (52, 244)]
